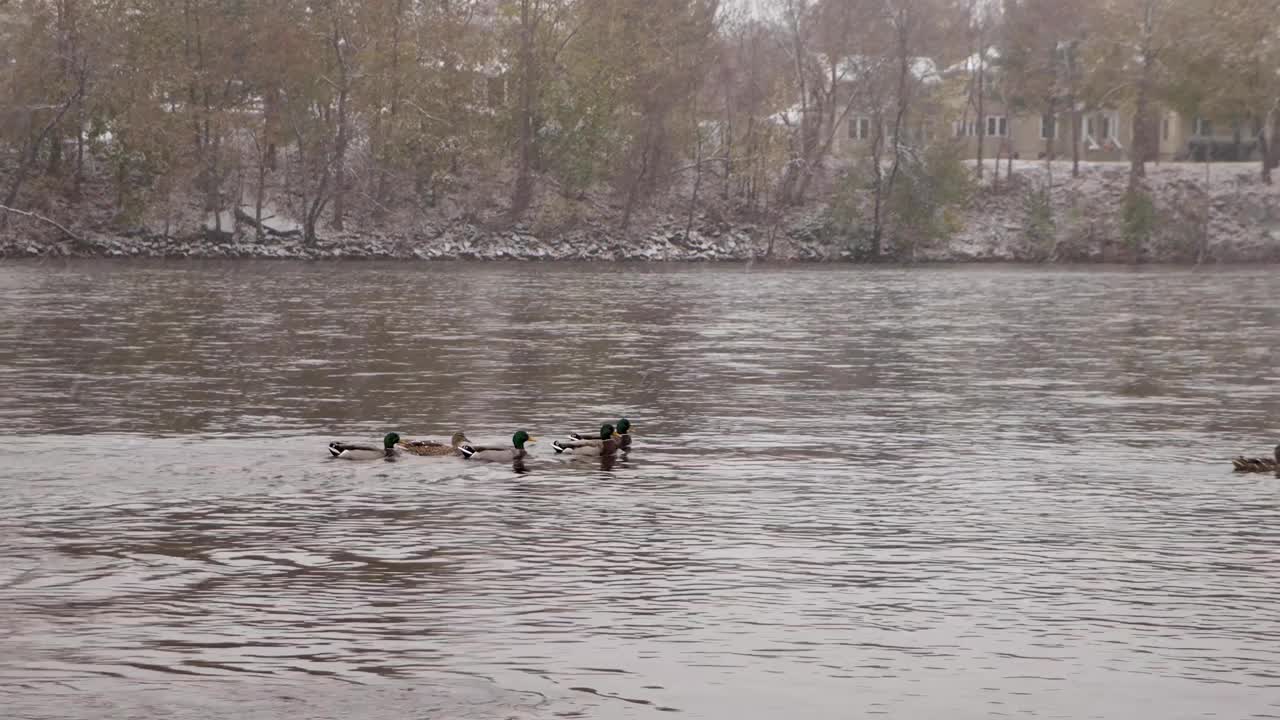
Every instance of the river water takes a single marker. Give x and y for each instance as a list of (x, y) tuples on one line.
[(908, 493)]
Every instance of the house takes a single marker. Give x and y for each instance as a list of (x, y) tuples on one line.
[(1105, 134), (1201, 138), (857, 130), (943, 107)]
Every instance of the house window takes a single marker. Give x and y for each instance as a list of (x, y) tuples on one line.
[(1108, 127), (966, 128), (859, 128), (1203, 127), (1165, 128), (1048, 127), (997, 126)]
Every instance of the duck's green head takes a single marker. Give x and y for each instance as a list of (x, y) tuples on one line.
[(606, 431), (391, 440), (458, 438), (521, 437), (624, 426)]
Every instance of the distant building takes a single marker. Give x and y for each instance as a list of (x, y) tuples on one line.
[(1105, 135), (942, 108)]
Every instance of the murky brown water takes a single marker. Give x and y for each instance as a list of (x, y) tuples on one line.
[(961, 493)]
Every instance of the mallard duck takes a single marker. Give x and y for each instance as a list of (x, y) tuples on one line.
[(606, 442), (494, 454), (624, 432), (431, 448), (353, 451), (1244, 464)]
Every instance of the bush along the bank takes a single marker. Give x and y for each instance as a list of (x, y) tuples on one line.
[(1138, 223), (1041, 228)]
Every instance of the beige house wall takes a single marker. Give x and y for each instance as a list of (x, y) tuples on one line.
[(1173, 133), (1111, 138), (856, 133)]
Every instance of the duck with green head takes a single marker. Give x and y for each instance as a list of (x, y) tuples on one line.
[(355, 451), (606, 442), (431, 448), (1256, 464), (514, 453), (624, 433)]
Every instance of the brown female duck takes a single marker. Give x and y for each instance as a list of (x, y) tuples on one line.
[(1255, 464), (431, 448)]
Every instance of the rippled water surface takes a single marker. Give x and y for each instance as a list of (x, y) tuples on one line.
[(959, 493)]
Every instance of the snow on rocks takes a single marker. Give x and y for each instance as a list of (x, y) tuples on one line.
[(1219, 213)]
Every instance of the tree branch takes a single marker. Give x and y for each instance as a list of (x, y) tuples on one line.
[(43, 219)]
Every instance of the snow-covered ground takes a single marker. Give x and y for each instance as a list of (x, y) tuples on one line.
[(1214, 213)]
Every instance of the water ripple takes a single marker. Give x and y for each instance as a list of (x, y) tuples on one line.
[(909, 493)]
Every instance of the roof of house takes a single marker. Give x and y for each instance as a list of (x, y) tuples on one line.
[(924, 69), (972, 62)]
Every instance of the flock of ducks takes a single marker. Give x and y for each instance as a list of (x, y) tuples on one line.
[(607, 442)]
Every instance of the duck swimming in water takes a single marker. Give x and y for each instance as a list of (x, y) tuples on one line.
[(607, 442), (515, 453), (1254, 464), (624, 435), (431, 448), (355, 451)]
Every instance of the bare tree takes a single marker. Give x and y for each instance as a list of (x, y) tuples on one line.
[(823, 54)]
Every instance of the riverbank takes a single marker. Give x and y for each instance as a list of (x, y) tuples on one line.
[(1198, 213), (1218, 213)]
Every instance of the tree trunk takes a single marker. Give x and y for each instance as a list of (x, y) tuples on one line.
[(32, 153), (799, 153), (270, 123), (817, 153), (1208, 211), (877, 210), (66, 61), (995, 179), (522, 195), (341, 140), (1269, 141), (312, 204), (697, 173), (260, 192), (1142, 103), (726, 140), (1263, 150), (1076, 122), (1275, 138), (982, 111), (81, 88), (1053, 136), (633, 191), (383, 155), (902, 102), (55, 154), (1075, 109), (214, 187), (1138, 153)]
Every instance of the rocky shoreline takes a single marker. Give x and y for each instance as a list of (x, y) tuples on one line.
[(462, 243), (1230, 218)]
